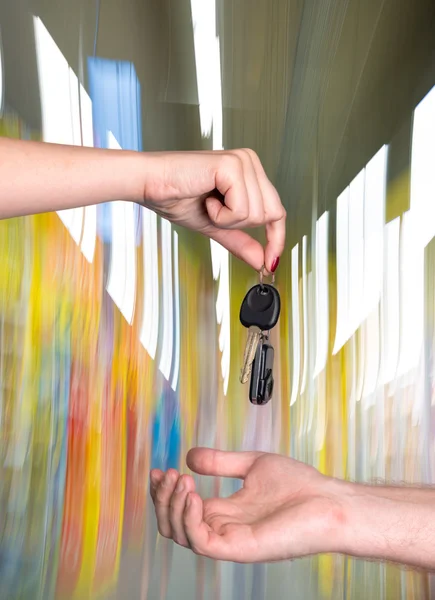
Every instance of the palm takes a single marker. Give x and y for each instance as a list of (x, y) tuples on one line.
[(279, 513), (265, 502)]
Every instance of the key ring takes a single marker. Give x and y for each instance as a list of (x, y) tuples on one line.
[(261, 274)]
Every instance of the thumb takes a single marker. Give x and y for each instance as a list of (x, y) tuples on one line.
[(206, 461)]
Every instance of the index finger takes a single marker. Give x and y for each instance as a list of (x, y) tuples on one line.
[(201, 537), (275, 215), (240, 244), (236, 546), (275, 235)]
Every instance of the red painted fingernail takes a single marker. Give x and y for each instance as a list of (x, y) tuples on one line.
[(275, 264)]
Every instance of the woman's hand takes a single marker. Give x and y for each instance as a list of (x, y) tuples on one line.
[(215, 193), (218, 194)]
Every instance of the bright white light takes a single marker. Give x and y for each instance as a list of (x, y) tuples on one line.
[(76, 224), (220, 265), (360, 221), (356, 253), (75, 108), (54, 84), (312, 344), (422, 167), (218, 139), (322, 301), (121, 283), (86, 118), (390, 301), (208, 68), (168, 314), (372, 353), (304, 313), (89, 238), (150, 322), (342, 270), (66, 119), (411, 294), (130, 263), (296, 326), (215, 250), (374, 219), (224, 282), (112, 142), (176, 372)]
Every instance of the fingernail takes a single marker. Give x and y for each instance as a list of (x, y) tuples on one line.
[(180, 486), (275, 264)]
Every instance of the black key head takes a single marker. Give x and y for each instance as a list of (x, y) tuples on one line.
[(261, 307), (262, 382)]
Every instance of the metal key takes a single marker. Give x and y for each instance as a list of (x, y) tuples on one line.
[(254, 336), (259, 312)]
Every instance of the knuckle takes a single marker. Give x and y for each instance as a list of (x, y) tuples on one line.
[(232, 161), (195, 549), (278, 213), (161, 494), (241, 213), (251, 153), (256, 219), (163, 532)]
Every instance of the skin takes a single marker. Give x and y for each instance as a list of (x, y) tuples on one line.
[(287, 509), (218, 194)]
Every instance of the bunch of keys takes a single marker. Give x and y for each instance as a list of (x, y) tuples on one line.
[(259, 313)]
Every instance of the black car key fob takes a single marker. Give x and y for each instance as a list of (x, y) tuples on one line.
[(261, 307), (262, 382)]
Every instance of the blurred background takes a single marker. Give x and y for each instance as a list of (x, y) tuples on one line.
[(120, 344)]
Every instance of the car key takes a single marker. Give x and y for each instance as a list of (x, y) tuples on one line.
[(254, 337), (259, 312), (262, 382)]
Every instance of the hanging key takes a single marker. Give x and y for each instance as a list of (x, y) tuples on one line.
[(259, 313), (255, 335), (261, 387)]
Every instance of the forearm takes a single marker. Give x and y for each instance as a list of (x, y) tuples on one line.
[(394, 524), (38, 177)]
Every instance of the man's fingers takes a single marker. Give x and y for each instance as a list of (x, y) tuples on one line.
[(184, 486), (201, 538), (156, 476), (206, 461), (162, 501), (235, 545), (240, 244)]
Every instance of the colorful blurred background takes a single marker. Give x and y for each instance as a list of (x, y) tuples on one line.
[(120, 344)]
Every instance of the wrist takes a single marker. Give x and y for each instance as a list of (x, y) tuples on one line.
[(129, 171), (352, 521), (362, 534), (394, 524)]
